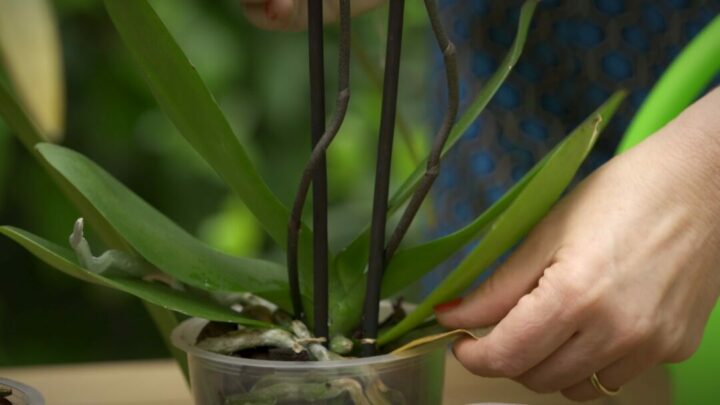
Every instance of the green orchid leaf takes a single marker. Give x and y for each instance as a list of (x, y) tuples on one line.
[(29, 136), (154, 293), (185, 99), (487, 92), (159, 240), (410, 265), (351, 261), (348, 265), (47, 252), (534, 201)]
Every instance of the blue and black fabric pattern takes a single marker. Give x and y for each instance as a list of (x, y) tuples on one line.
[(578, 52)]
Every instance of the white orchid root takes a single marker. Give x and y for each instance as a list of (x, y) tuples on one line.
[(316, 348), (251, 338), (308, 391), (111, 262), (365, 389), (115, 263), (298, 339)]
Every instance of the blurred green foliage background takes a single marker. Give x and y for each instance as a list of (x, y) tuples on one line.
[(260, 80)]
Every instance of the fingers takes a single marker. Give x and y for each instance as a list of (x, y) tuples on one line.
[(535, 328), (272, 14), (616, 348), (490, 302), (612, 377), (291, 15), (584, 354)]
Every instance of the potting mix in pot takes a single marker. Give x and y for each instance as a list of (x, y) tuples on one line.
[(308, 330)]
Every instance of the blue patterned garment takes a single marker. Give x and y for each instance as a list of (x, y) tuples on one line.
[(578, 52)]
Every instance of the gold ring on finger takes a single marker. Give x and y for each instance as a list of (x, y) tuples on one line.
[(595, 381)]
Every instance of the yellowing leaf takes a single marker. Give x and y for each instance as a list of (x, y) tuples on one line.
[(32, 57)]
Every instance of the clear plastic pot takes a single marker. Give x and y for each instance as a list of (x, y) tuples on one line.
[(21, 393), (414, 378)]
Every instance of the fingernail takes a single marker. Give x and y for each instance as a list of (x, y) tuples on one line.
[(446, 306)]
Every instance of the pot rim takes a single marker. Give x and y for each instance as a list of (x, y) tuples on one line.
[(184, 335), (32, 395)]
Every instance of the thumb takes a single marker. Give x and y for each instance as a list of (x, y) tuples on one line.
[(493, 299), (272, 14)]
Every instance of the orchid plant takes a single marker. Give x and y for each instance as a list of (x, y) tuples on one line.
[(334, 294)]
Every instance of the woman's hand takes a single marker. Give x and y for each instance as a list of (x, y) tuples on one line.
[(291, 15), (620, 276)]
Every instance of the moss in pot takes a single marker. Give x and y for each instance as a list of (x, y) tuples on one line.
[(295, 319)]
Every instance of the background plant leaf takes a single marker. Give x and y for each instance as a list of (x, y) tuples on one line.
[(351, 261), (185, 99), (32, 57), (154, 293), (528, 208), (159, 240), (18, 120)]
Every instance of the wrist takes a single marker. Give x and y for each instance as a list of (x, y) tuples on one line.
[(702, 121), (682, 160)]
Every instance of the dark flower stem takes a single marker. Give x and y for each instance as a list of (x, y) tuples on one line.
[(433, 162), (316, 164), (319, 183), (372, 70), (376, 262)]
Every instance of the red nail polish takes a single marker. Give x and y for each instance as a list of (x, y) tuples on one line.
[(446, 306)]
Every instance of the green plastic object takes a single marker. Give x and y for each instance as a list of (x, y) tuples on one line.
[(689, 74), (694, 381)]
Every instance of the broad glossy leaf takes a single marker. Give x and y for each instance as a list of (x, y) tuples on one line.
[(351, 261), (154, 293), (529, 207), (29, 135), (31, 54), (185, 99), (160, 241)]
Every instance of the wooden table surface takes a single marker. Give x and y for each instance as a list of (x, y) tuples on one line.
[(159, 382)]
